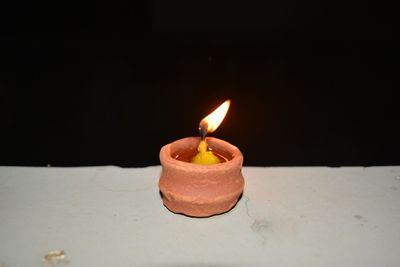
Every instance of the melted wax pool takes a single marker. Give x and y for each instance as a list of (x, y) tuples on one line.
[(189, 154)]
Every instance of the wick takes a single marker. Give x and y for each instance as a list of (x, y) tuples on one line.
[(203, 129), (202, 133)]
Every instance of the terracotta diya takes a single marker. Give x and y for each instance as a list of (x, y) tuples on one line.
[(202, 176)]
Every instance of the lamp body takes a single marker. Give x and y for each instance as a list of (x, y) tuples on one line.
[(200, 190)]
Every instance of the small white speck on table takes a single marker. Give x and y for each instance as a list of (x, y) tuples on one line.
[(111, 216)]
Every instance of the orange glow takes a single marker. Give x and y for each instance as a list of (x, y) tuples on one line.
[(213, 120)]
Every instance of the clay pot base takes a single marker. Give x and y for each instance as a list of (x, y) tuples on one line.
[(200, 190), (198, 217)]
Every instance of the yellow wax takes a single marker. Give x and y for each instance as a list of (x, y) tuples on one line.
[(204, 156)]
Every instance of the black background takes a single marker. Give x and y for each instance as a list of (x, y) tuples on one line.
[(110, 82)]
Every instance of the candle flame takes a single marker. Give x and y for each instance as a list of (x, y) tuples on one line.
[(210, 123)]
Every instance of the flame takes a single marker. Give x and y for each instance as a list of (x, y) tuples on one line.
[(213, 120)]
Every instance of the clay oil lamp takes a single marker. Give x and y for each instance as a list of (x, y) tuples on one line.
[(202, 176)]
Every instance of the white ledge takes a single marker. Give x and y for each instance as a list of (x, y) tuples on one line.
[(110, 216)]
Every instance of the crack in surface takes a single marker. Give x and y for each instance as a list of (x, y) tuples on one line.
[(259, 226), (247, 207)]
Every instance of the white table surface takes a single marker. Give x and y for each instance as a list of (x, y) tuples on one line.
[(111, 216)]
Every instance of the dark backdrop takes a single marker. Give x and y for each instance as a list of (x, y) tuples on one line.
[(110, 82)]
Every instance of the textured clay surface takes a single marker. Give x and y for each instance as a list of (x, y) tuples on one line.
[(200, 190)]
